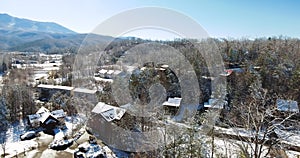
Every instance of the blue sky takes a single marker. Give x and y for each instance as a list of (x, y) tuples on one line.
[(220, 18)]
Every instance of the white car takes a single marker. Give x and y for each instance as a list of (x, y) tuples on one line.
[(28, 135)]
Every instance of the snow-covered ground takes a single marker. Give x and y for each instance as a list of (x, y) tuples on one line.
[(31, 147), (19, 147), (14, 131), (288, 137)]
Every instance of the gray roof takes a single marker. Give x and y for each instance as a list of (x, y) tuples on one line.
[(58, 113), (287, 105)]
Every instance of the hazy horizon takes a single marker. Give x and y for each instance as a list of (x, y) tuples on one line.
[(221, 19)]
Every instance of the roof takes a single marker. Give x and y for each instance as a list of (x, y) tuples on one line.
[(109, 112), (287, 105), (175, 102), (103, 79), (161, 69), (228, 72), (58, 113), (117, 72), (55, 87), (42, 114), (42, 110), (110, 72), (165, 66), (102, 71), (34, 118), (84, 90), (212, 103), (45, 116)]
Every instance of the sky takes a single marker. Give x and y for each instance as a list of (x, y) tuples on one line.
[(220, 18)]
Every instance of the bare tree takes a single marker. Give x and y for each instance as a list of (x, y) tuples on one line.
[(3, 142), (256, 116)]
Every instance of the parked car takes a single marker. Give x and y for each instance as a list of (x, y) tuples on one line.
[(60, 144), (79, 154), (28, 135)]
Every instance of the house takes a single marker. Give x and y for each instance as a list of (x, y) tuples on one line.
[(287, 105), (108, 112), (44, 118), (171, 106)]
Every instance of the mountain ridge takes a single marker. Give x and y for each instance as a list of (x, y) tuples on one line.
[(32, 36), (20, 24)]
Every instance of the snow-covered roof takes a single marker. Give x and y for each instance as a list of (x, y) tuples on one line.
[(117, 72), (34, 118), (102, 71), (40, 75), (84, 90), (109, 112), (287, 105), (58, 113), (109, 72), (42, 114), (175, 102), (42, 110), (130, 69), (213, 103), (55, 87), (165, 66), (103, 79), (161, 69), (45, 116)]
